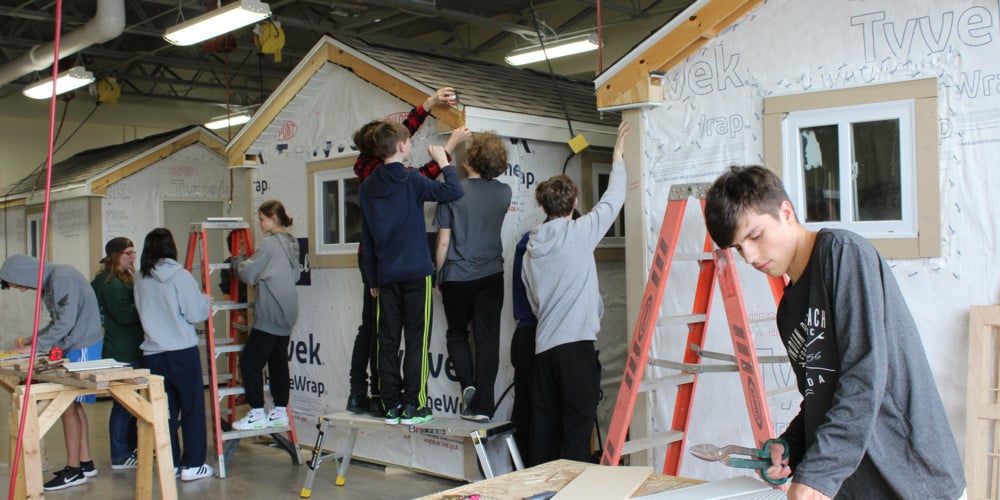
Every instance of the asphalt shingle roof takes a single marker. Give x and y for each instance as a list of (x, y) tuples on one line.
[(493, 86), (88, 164)]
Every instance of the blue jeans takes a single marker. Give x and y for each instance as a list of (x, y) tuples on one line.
[(122, 429)]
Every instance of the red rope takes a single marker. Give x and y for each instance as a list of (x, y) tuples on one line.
[(41, 256)]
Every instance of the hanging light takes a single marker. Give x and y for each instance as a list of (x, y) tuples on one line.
[(554, 49), (68, 80), (217, 22)]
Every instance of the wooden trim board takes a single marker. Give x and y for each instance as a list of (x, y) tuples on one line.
[(605, 482)]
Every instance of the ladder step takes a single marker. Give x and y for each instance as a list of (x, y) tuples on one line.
[(681, 319), (226, 436), (721, 356), (220, 223), (652, 384), (222, 349), (693, 256), (237, 390), (219, 267), (223, 378), (651, 441), (228, 305), (692, 367)]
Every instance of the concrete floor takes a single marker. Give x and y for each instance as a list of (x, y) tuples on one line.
[(257, 470)]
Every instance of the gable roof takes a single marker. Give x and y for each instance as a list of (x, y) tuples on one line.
[(631, 81), (489, 91), (100, 167)]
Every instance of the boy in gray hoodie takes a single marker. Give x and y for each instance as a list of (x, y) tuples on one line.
[(76, 329), (560, 277)]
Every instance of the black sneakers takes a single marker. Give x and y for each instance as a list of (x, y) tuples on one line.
[(468, 414), (468, 394), (130, 462), (69, 476), (414, 416), (357, 403), (392, 416), (375, 406), (89, 469)]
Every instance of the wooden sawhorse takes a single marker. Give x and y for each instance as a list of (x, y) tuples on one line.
[(136, 390)]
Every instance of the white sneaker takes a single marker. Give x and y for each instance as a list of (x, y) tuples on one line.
[(192, 473), (254, 419), (278, 417)]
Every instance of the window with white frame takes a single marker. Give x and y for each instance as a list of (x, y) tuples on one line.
[(853, 167), (615, 236), (862, 158), (337, 212)]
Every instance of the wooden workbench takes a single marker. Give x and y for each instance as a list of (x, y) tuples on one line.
[(551, 476), (136, 390)]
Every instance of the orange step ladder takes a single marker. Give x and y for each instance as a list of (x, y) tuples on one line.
[(716, 266), (226, 440)]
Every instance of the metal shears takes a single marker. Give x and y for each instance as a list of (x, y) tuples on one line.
[(760, 459)]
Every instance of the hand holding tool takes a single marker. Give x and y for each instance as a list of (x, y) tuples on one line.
[(760, 459)]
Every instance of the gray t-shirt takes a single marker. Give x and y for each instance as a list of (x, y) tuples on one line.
[(475, 220)]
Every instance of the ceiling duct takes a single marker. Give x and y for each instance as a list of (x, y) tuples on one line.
[(108, 22)]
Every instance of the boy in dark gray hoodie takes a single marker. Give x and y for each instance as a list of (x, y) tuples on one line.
[(76, 329), (871, 423), (560, 277)]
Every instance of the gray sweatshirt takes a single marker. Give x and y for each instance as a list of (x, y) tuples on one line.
[(170, 302), (69, 298), (273, 270), (871, 423), (560, 275)]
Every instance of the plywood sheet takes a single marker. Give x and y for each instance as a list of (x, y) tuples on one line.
[(743, 488)]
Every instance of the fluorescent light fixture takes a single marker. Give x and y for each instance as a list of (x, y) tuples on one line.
[(232, 121), (68, 80), (554, 49), (217, 22)]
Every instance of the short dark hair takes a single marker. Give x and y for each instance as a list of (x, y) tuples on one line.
[(487, 155), (159, 244), (737, 191), (4, 285), (386, 136), (556, 196)]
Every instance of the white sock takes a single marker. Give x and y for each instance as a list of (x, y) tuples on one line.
[(280, 409), (259, 412)]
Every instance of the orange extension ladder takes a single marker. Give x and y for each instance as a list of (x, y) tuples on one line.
[(716, 266), (226, 440)]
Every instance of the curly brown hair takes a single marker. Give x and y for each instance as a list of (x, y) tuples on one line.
[(487, 155), (556, 196), (363, 138)]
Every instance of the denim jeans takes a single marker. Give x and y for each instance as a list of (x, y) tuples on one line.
[(122, 430)]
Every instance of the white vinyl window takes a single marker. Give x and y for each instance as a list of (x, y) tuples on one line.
[(615, 236), (33, 238), (853, 167), (337, 212)]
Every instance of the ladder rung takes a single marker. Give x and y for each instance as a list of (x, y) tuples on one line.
[(239, 327), (681, 319), (222, 378), (222, 349), (228, 305), (254, 432), (732, 359), (237, 390), (692, 367), (233, 223), (651, 441), (219, 267), (781, 390), (656, 382), (695, 256)]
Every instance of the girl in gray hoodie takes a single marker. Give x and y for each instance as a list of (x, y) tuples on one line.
[(273, 270)]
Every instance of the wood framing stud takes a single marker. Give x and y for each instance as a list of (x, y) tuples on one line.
[(633, 83)]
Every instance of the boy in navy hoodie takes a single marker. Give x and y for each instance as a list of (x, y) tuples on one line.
[(398, 261)]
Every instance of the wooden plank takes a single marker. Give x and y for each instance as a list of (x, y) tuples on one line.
[(52, 413), (550, 476), (117, 374), (31, 453), (19, 202), (981, 398), (161, 437), (632, 84), (743, 487), (605, 482)]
